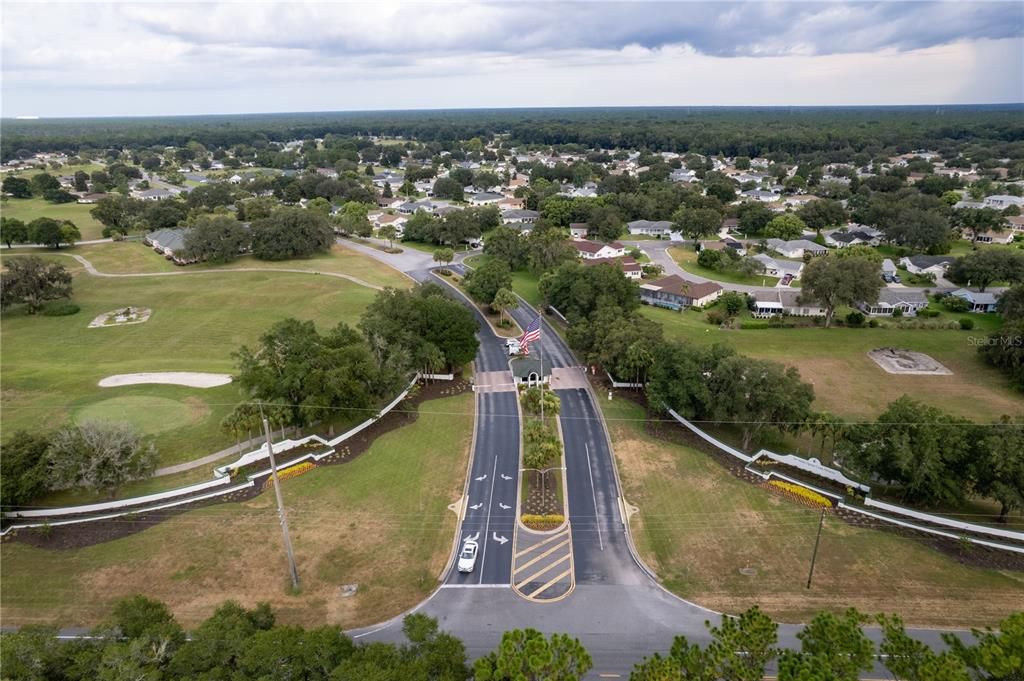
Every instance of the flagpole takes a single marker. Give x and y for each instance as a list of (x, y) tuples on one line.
[(540, 330)]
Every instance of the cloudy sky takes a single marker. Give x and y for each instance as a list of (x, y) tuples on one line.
[(144, 58)]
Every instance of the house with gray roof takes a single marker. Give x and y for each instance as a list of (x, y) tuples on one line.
[(980, 302), (907, 300), (783, 301), (155, 194), (796, 248), (776, 267), (530, 371), (658, 228), (170, 243), (519, 215), (485, 198), (934, 265)]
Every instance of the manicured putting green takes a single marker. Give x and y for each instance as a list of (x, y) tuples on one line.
[(150, 415)]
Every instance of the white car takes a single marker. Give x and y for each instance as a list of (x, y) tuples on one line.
[(513, 347), (467, 557)]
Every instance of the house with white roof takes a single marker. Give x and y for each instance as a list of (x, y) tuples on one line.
[(592, 250), (796, 248), (907, 300), (775, 267), (658, 228), (783, 301)]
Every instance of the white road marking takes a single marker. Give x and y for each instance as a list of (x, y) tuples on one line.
[(593, 495), (487, 527)]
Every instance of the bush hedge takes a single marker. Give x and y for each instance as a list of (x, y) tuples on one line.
[(59, 308)]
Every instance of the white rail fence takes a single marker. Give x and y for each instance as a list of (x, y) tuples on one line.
[(192, 493), (816, 468)]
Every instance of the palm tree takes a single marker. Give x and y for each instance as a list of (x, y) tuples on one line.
[(639, 359), (504, 300)]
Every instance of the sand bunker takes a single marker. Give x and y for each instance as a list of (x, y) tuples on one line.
[(192, 379), (122, 317), (896, 361)]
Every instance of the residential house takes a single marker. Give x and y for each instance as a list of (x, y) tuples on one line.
[(730, 225), (783, 301), (796, 248), (761, 195), (966, 203), (774, 267), (1016, 223), (991, 236), (386, 219), (510, 203), (521, 227), (980, 302), (579, 230), (169, 243), (907, 300), (155, 194), (841, 238), (485, 198), (675, 293), (927, 264), (798, 199), (592, 250), (630, 267), (92, 197), (1001, 201), (659, 228), (530, 371), (519, 215), (682, 175)]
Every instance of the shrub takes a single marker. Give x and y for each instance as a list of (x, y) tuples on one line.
[(716, 317), (873, 323), (754, 325), (855, 319), (966, 324), (928, 313), (542, 522), (709, 259), (897, 313), (59, 308)]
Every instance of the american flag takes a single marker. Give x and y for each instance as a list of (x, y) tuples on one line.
[(531, 334)]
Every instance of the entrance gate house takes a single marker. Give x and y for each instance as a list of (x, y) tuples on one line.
[(530, 371)]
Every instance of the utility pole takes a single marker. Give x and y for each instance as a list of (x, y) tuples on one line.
[(540, 344), (817, 539), (280, 504)]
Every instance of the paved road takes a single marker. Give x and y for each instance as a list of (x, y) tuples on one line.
[(617, 610), (491, 492)]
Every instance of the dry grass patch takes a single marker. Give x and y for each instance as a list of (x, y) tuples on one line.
[(727, 544), (379, 521)]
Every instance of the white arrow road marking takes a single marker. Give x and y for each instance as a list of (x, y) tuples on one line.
[(506, 477), (496, 537), (473, 537), (504, 506), (477, 506), (481, 478)]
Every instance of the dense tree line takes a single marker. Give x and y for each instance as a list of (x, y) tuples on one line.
[(839, 132), (142, 640)]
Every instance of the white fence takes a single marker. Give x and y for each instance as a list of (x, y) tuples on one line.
[(622, 384), (121, 503), (138, 504), (945, 522), (707, 438), (134, 511), (832, 474), (929, 530)]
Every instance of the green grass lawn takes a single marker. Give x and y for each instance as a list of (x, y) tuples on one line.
[(848, 383), (50, 365), (687, 259), (379, 521), (78, 213), (698, 526), (524, 283), (63, 170), (131, 257)]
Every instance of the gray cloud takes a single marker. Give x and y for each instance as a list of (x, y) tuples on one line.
[(724, 29)]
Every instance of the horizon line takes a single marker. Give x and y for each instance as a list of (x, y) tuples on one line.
[(39, 117)]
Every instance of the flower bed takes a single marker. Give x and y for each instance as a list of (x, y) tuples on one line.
[(801, 494), (547, 521), (290, 472)]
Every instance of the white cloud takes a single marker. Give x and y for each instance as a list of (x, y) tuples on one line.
[(148, 58)]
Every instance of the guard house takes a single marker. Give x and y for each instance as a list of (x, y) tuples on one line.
[(529, 371)]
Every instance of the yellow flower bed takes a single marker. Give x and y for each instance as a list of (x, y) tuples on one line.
[(801, 493), (290, 472), (546, 521)]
